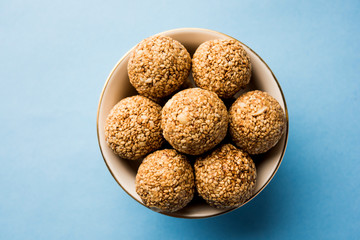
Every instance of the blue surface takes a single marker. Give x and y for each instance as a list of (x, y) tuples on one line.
[(55, 58)]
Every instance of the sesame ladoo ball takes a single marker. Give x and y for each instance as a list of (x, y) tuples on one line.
[(158, 66), (226, 177), (132, 128), (165, 181), (257, 122), (222, 66), (194, 121)]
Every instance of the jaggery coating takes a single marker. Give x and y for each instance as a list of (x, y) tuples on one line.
[(257, 122), (133, 127), (165, 180), (222, 66), (194, 121), (226, 177), (158, 66)]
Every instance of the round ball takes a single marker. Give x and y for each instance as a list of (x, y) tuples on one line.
[(165, 181), (257, 122), (133, 128), (226, 177), (222, 66), (194, 121), (158, 66)]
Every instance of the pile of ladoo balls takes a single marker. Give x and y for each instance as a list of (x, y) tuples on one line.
[(193, 121)]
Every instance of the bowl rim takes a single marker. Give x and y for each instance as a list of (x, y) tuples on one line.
[(286, 130)]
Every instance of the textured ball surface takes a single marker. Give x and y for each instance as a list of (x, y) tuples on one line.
[(165, 180), (194, 121), (222, 66), (158, 66), (226, 177), (257, 122), (133, 127)]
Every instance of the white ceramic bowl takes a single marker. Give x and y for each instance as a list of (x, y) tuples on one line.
[(117, 87)]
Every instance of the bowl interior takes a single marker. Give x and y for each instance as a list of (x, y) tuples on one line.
[(118, 87)]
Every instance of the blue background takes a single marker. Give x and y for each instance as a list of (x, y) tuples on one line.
[(54, 59)]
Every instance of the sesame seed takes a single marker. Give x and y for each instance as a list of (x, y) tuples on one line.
[(257, 122), (132, 128), (165, 180), (236, 176), (222, 66), (194, 121), (161, 68)]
